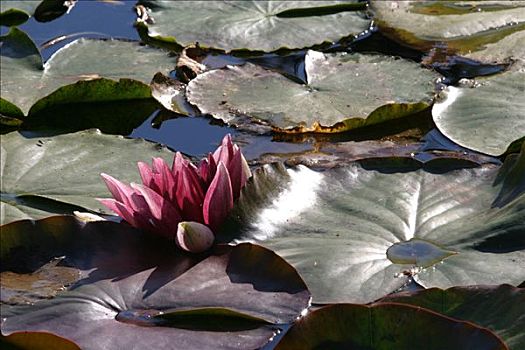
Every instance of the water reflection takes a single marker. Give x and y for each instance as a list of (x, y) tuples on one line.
[(196, 136)]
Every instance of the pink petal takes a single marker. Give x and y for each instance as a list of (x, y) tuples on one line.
[(155, 202), (190, 193), (120, 191), (161, 215), (207, 169), (178, 163), (120, 209), (145, 173), (236, 173), (165, 179), (224, 152), (246, 172), (219, 198)]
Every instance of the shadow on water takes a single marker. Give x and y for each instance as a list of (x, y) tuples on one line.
[(196, 136)]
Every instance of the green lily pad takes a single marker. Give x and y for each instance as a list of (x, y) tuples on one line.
[(36, 341), (385, 326), (16, 12), (137, 290), (26, 81), (252, 25), (499, 308), (66, 168), (338, 228), (486, 115), (342, 92), (464, 26), (510, 48), (512, 178), (13, 13)]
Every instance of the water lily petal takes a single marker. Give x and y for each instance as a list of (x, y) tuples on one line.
[(194, 237), (160, 209), (164, 178), (246, 172), (120, 209), (219, 198), (207, 169), (224, 152), (190, 194), (178, 163), (146, 174), (235, 169), (120, 191)]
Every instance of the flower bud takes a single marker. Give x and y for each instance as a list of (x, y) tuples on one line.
[(194, 237)]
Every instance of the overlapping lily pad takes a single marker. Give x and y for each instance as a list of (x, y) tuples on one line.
[(135, 290), (356, 234), (26, 81), (342, 92), (15, 12), (37, 172), (253, 25), (499, 308), (36, 341), (385, 326), (485, 115), (508, 49), (464, 26)]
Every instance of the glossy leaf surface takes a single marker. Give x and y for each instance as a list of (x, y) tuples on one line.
[(253, 25), (133, 288), (56, 171), (338, 227)]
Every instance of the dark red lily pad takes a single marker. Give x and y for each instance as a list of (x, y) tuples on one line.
[(132, 288), (499, 308), (36, 341), (385, 326)]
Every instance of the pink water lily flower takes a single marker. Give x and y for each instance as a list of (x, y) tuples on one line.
[(203, 194)]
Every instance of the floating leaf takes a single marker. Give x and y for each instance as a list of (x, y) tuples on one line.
[(385, 326), (65, 168), (253, 25), (36, 341), (340, 227), (170, 93), (137, 291), (486, 115), (26, 81), (509, 48), (499, 308), (16, 12), (512, 178), (343, 92), (462, 26)]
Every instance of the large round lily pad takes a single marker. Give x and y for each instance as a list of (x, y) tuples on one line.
[(486, 115), (253, 25), (385, 326), (356, 235), (499, 308), (135, 290), (37, 172), (26, 80), (342, 92), (463, 26)]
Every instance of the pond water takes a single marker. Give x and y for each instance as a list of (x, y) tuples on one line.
[(197, 135)]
